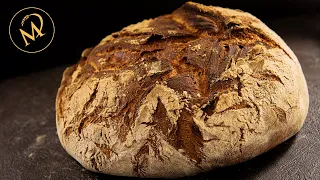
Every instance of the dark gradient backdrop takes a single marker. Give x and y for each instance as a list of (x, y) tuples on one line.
[(84, 24)]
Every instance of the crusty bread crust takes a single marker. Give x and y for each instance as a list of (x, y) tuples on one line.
[(200, 88)]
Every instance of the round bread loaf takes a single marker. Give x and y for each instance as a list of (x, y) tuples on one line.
[(183, 93)]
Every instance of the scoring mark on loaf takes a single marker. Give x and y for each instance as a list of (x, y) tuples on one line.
[(161, 121), (187, 137)]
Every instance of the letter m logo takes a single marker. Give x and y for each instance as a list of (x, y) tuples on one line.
[(33, 28)]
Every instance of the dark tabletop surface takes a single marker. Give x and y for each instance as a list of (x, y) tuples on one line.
[(30, 148)]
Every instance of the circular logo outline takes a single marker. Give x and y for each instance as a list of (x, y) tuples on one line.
[(40, 49)]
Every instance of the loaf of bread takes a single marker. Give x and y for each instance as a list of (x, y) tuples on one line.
[(180, 94)]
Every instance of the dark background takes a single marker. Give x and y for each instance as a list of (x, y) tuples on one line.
[(29, 146), (83, 24)]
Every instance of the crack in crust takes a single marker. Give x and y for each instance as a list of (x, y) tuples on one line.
[(199, 88)]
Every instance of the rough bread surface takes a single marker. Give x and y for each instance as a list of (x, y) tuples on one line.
[(183, 93)]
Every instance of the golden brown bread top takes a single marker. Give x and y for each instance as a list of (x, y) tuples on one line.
[(187, 33), (167, 37), (193, 19)]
